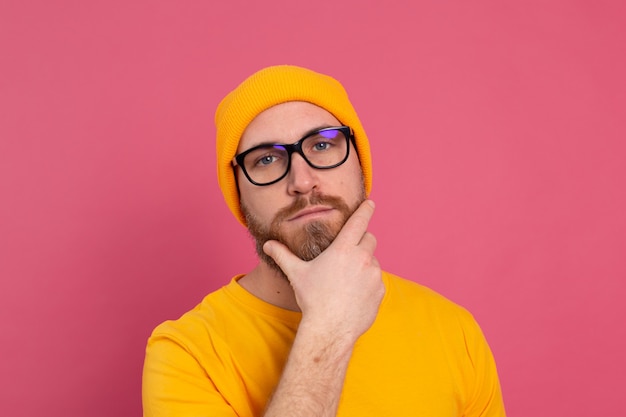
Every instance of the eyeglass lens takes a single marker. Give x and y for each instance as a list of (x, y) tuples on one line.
[(323, 149)]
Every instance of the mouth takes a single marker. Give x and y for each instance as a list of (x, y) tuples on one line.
[(311, 213)]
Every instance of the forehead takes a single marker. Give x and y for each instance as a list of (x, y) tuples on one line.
[(285, 123)]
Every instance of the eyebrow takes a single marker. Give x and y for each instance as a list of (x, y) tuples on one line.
[(307, 133)]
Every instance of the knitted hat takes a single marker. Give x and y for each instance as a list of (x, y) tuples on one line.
[(269, 87)]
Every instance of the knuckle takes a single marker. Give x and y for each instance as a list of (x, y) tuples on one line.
[(371, 237)]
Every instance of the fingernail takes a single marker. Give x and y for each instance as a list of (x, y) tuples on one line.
[(266, 246)]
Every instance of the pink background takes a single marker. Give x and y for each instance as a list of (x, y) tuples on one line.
[(498, 134)]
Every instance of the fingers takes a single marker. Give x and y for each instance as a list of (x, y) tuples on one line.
[(283, 257), (368, 242), (355, 228)]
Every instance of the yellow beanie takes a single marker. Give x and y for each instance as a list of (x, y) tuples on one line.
[(269, 87)]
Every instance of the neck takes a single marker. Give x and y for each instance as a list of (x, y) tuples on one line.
[(270, 286)]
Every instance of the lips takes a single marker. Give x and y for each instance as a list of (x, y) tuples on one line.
[(310, 211)]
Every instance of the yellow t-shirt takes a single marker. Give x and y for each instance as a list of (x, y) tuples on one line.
[(423, 356)]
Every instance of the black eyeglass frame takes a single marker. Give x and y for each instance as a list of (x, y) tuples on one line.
[(295, 147)]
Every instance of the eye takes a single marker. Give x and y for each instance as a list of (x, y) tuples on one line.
[(321, 146), (266, 160)]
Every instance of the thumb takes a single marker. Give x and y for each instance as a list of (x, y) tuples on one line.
[(281, 254)]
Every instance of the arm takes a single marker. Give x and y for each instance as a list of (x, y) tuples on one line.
[(339, 293)]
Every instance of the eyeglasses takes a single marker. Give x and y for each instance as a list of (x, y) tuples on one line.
[(268, 163)]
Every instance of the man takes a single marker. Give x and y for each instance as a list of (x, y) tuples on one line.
[(316, 328)]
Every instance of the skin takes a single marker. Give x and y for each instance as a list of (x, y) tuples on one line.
[(338, 292)]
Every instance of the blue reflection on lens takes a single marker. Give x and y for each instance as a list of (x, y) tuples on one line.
[(329, 134)]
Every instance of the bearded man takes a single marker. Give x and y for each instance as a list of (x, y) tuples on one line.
[(316, 328)]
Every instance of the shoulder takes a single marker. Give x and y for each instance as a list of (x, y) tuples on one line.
[(414, 300), (402, 289), (192, 324), (225, 315)]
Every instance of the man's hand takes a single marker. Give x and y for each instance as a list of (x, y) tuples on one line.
[(339, 292)]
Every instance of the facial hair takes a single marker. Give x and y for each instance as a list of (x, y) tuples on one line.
[(309, 241)]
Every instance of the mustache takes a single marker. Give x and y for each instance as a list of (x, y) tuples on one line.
[(302, 202)]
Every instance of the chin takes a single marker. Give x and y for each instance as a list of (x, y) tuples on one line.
[(312, 239)]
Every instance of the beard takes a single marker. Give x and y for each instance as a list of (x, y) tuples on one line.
[(310, 240)]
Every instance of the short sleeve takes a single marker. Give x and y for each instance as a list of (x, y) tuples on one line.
[(174, 383), (485, 395)]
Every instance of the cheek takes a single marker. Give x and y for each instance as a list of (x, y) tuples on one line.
[(257, 201), (246, 194), (353, 183)]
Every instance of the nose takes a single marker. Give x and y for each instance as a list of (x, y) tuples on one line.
[(302, 178)]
